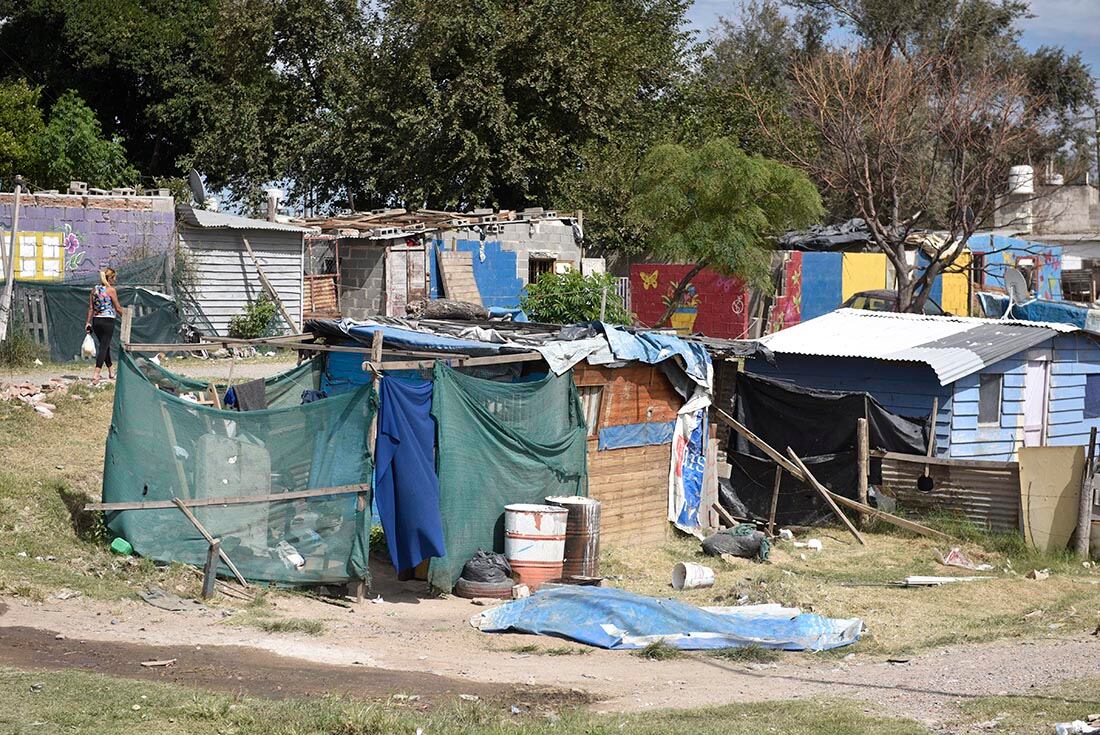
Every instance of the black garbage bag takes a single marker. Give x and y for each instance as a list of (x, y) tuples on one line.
[(487, 566), (743, 540)]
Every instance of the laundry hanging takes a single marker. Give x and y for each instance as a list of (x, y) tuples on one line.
[(406, 485), (500, 443)]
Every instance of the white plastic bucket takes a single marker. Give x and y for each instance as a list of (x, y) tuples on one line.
[(534, 541), (688, 576)]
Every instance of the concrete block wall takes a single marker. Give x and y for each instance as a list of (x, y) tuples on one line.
[(362, 278), (541, 239), (98, 231)]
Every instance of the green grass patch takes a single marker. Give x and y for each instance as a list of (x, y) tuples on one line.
[(63, 705), (260, 615), (659, 651), (1037, 711), (746, 654)]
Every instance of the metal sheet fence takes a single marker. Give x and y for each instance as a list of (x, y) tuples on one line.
[(988, 493)]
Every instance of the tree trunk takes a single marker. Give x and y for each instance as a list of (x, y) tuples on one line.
[(678, 293)]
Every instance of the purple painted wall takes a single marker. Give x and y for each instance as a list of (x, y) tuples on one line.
[(98, 231)]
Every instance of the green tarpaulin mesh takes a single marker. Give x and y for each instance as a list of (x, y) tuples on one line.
[(162, 446), (497, 444), (156, 319)]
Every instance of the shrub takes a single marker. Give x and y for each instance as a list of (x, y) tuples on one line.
[(255, 321), (569, 298), (19, 349)]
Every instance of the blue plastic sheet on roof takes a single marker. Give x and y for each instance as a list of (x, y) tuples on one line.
[(653, 348), (1041, 310), (613, 618)]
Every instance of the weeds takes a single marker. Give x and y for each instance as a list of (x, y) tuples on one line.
[(659, 651), (746, 654), (532, 649), (19, 349)]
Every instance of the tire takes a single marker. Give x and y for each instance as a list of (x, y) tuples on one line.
[(469, 590)]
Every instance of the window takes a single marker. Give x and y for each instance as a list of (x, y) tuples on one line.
[(591, 397), (39, 256), (977, 269), (536, 267), (1092, 396), (989, 399)]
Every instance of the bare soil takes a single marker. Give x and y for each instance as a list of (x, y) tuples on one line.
[(413, 644)]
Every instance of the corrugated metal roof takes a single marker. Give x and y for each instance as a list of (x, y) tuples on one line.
[(952, 346), (223, 221)]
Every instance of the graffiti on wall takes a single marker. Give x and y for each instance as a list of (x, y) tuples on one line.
[(711, 303), (786, 309)]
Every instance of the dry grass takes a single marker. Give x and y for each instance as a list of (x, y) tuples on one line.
[(847, 580)]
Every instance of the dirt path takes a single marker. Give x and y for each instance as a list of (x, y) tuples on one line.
[(250, 369), (427, 647)]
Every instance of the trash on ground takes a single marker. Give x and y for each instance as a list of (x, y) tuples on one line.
[(813, 544), (956, 558), (122, 547), (1039, 574), (742, 540), (688, 576), (158, 663), (1077, 727), (520, 591), (785, 534), (917, 580), (66, 594), (616, 619), (164, 600)]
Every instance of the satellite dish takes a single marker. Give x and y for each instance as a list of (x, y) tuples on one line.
[(197, 189), (1016, 286)]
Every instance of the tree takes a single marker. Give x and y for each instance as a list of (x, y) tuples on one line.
[(21, 126), (719, 207), (72, 146), (570, 298), (911, 143)]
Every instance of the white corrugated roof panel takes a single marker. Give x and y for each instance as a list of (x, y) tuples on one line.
[(952, 346), (224, 221)]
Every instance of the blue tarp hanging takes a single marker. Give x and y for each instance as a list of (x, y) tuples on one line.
[(406, 485), (612, 618)]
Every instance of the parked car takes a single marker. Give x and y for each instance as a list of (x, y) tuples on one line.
[(884, 300)]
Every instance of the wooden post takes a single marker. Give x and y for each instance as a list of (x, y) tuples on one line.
[(372, 438), (210, 571), (775, 500), (821, 489), (863, 462), (127, 325), (1084, 506), (932, 431), (269, 288), (210, 540), (9, 266)]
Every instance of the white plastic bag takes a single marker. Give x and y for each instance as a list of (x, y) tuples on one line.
[(87, 349)]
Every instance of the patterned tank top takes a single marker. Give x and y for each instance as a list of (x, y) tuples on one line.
[(102, 306)]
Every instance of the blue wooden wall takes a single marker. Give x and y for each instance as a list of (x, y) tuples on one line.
[(904, 388), (1000, 442), (1075, 356), (822, 283), (496, 277)]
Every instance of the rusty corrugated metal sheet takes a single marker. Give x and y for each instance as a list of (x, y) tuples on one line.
[(989, 496)]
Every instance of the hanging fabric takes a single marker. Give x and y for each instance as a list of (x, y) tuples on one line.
[(406, 485)]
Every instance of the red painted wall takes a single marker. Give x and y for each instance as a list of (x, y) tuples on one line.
[(715, 305)]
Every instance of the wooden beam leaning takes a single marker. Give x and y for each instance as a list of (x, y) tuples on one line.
[(824, 492), (210, 540), (775, 500), (269, 288), (210, 570), (316, 492)]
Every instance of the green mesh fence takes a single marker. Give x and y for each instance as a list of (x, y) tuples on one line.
[(162, 446), (500, 443)]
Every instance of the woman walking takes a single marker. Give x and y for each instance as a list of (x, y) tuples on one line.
[(103, 310)]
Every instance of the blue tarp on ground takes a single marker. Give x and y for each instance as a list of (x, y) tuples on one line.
[(406, 487), (612, 618)]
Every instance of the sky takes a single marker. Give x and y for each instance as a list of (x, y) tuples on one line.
[(1073, 24)]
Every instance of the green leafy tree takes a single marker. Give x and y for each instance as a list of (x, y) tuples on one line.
[(21, 127), (719, 207), (72, 146), (570, 298)]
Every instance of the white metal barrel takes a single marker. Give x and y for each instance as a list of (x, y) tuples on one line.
[(534, 541)]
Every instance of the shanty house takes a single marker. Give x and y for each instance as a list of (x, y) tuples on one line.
[(997, 385), (223, 277)]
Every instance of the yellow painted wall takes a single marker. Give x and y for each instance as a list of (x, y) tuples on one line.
[(862, 272), (956, 299)]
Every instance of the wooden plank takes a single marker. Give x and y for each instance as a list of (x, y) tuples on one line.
[(932, 430), (210, 540), (809, 477), (210, 570), (724, 515), (317, 492), (889, 518), (1084, 506), (775, 500), (269, 288), (863, 463), (461, 360), (361, 500), (989, 464)]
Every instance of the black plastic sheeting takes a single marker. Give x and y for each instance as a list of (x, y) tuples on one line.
[(850, 236), (817, 422), (820, 426)]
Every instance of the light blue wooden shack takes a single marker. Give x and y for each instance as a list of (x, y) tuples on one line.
[(1000, 384)]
